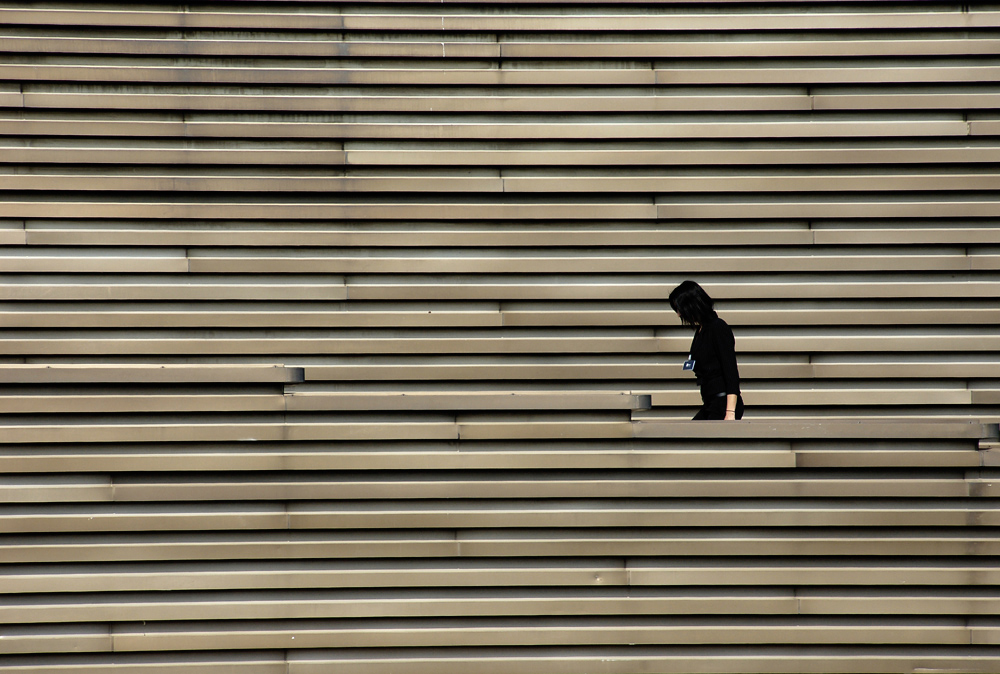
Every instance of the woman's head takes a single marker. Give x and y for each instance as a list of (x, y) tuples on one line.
[(692, 303)]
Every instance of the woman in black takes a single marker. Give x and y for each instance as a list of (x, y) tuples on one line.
[(713, 353)]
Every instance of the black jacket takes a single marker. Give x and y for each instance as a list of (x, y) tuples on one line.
[(713, 350)]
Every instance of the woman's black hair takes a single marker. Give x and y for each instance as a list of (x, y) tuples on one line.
[(692, 304)]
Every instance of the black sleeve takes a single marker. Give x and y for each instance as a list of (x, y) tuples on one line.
[(725, 349)]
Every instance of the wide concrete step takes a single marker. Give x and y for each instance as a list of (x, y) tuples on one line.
[(509, 632), (461, 514)]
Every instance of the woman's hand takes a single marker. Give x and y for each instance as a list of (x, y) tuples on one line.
[(730, 408)]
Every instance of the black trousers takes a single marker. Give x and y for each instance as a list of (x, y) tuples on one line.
[(715, 409)]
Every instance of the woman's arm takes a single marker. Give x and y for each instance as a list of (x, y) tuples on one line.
[(725, 345)]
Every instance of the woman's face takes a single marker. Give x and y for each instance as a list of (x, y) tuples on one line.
[(693, 323)]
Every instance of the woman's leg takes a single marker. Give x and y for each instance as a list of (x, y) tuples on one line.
[(713, 410)]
